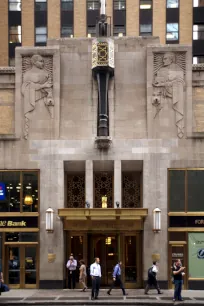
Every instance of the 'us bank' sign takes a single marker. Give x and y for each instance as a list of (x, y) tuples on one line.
[(18, 222)]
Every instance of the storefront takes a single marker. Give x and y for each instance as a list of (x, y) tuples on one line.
[(186, 224), (110, 234), (19, 226)]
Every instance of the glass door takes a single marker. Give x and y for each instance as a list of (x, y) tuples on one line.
[(22, 266)]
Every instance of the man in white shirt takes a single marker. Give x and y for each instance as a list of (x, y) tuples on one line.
[(71, 266), (152, 278), (95, 272)]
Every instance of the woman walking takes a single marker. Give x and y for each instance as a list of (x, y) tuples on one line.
[(82, 274)]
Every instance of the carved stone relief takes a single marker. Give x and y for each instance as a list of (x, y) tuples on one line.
[(169, 85), (37, 85)]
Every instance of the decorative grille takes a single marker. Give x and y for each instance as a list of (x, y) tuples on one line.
[(103, 187), (131, 191), (76, 191)]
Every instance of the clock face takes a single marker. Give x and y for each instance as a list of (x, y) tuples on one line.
[(172, 3)]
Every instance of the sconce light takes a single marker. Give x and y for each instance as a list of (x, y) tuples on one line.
[(120, 34), (71, 36), (87, 204), (156, 220), (50, 220), (104, 201), (117, 204), (89, 35)]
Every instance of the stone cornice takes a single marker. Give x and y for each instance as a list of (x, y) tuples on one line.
[(7, 70), (198, 67)]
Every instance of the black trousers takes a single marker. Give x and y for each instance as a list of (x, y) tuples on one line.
[(152, 282), (117, 282), (96, 280), (71, 279)]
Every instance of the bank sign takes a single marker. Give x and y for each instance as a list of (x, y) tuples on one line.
[(2, 192), (21, 222)]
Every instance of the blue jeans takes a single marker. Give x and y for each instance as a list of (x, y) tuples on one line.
[(177, 289)]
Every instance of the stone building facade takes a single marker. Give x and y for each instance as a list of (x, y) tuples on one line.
[(48, 124)]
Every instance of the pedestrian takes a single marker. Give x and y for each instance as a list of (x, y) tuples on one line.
[(71, 266), (3, 287), (152, 278), (82, 274), (95, 272), (117, 278), (177, 271)]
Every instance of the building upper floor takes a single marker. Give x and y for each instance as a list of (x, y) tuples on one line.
[(33, 22)]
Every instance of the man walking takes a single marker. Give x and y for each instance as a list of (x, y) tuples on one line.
[(152, 278), (95, 272), (71, 266), (178, 272), (117, 278)]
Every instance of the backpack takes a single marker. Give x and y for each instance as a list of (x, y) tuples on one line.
[(150, 273)]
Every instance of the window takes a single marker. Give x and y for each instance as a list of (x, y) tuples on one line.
[(145, 29), (198, 31), (198, 3), (196, 255), (119, 5), (172, 32), (40, 5), (176, 190), (67, 5), (41, 35), (18, 191), (198, 59), (145, 4), (172, 4), (14, 5), (15, 34), (93, 5), (67, 18)]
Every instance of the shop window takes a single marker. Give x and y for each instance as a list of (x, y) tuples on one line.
[(145, 29), (196, 255), (130, 259), (145, 4), (30, 191), (172, 4), (176, 190), (195, 190), (22, 237), (172, 33), (10, 186)]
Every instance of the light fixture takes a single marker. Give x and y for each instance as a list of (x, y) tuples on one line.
[(145, 6), (117, 204), (108, 240), (104, 201), (156, 220), (120, 35), (28, 200), (89, 35), (71, 36), (50, 220)]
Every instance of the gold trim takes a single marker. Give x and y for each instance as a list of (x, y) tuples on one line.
[(177, 245), (18, 214), (20, 243), (102, 214), (186, 229), (195, 278), (177, 242), (185, 169), (186, 214), (11, 230)]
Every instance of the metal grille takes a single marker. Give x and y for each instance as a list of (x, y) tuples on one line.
[(131, 191), (76, 191), (103, 187)]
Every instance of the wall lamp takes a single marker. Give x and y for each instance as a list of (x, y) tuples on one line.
[(50, 220), (156, 220)]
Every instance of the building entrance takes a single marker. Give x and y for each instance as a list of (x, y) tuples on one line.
[(21, 266)]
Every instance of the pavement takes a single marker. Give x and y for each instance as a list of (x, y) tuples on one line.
[(76, 297)]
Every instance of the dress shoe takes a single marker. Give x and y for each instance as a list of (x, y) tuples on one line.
[(108, 292), (160, 292)]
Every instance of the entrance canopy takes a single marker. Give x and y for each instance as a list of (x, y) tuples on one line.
[(103, 219)]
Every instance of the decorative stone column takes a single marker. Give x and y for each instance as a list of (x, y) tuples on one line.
[(117, 183), (89, 182)]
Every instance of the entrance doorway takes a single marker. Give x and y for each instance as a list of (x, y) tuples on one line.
[(106, 248), (21, 266)]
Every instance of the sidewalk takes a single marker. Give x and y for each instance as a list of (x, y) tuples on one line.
[(76, 297)]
